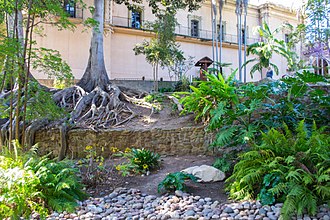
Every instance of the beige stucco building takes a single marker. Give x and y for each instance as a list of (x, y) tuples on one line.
[(124, 29)]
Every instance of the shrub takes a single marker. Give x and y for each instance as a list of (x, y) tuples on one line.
[(59, 183), (19, 194), (222, 164), (239, 114), (175, 181), (92, 167), (286, 167), (154, 98), (29, 183), (139, 161)]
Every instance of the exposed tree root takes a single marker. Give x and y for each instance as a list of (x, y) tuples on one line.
[(96, 109), (31, 130)]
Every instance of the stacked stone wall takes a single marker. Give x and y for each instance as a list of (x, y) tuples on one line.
[(179, 141)]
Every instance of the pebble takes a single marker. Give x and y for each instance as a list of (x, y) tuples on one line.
[(131, 204)]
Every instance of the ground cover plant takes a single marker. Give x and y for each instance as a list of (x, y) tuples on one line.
[(285, 155), (138, 161), (91, 167), (239, 113), (31, 184), (175, 181), (293, 168)]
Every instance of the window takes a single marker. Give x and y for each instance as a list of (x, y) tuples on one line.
[(194, 28), (136, 21), (243, 35), (70, 8), (223, 35), (286, 38)]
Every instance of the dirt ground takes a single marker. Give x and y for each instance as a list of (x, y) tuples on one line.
[(148, 184), (166, 118)]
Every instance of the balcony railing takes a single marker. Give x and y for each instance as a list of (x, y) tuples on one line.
[(179, 30)]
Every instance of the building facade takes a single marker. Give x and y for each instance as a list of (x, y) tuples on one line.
[(125, 28)]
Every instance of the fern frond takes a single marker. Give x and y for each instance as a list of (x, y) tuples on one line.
[(225, 136)]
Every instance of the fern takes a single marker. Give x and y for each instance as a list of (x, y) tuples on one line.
[(301, 163), (224, 136)]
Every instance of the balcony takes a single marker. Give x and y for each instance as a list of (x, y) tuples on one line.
[(180, 30)]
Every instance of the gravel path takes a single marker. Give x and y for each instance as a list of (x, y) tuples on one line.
[(131, 204)]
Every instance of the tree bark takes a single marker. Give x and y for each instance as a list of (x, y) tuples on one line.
[(96, 73)]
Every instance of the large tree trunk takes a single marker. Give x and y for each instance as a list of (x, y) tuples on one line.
[(95, 73)]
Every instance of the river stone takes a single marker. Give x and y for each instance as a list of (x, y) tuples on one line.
[(228, 210), (205, 173)]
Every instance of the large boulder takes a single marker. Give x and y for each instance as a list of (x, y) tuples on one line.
[(205, 173)]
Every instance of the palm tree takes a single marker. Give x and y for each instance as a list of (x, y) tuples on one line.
[(264, 50)]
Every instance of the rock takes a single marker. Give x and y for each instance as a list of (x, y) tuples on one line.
[(262, 211), (190, 213), (137, 206), (190, 218), (178, 193), (228, 210), (326, 217), (205, 173)]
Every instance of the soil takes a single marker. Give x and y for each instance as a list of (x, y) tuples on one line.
[(149, 183), (166, 118)]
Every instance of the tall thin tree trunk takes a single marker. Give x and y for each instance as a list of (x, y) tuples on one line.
[(239, 37), (221, 2), (245, 35), (95, 73), (213, 40), (214, 8)]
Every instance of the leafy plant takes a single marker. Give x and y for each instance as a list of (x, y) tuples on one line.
[(29, 183), (139, 161), (92, 167), (264, 50), (42, 105), (175, 181), (222, 164), (59, 182), (154, 97), (19, 195), (239, 114), (293, 168), (270, 181), (208, 94)]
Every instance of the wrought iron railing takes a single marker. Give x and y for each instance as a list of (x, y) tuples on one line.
[(179, 30)]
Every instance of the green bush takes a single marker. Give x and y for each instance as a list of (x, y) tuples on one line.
[(286, 167), (29, 183), (222, 164), (239, 114), (139, 161), (154, 97), (19, 194), (175, 181), (59, 182)]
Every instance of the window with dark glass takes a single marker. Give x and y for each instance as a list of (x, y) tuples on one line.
[(136, 19), (70, 8), (286, 38), (194, 28), (243, 36), (223, 32)]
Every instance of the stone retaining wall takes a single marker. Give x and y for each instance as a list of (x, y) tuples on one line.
[(180, 141)]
